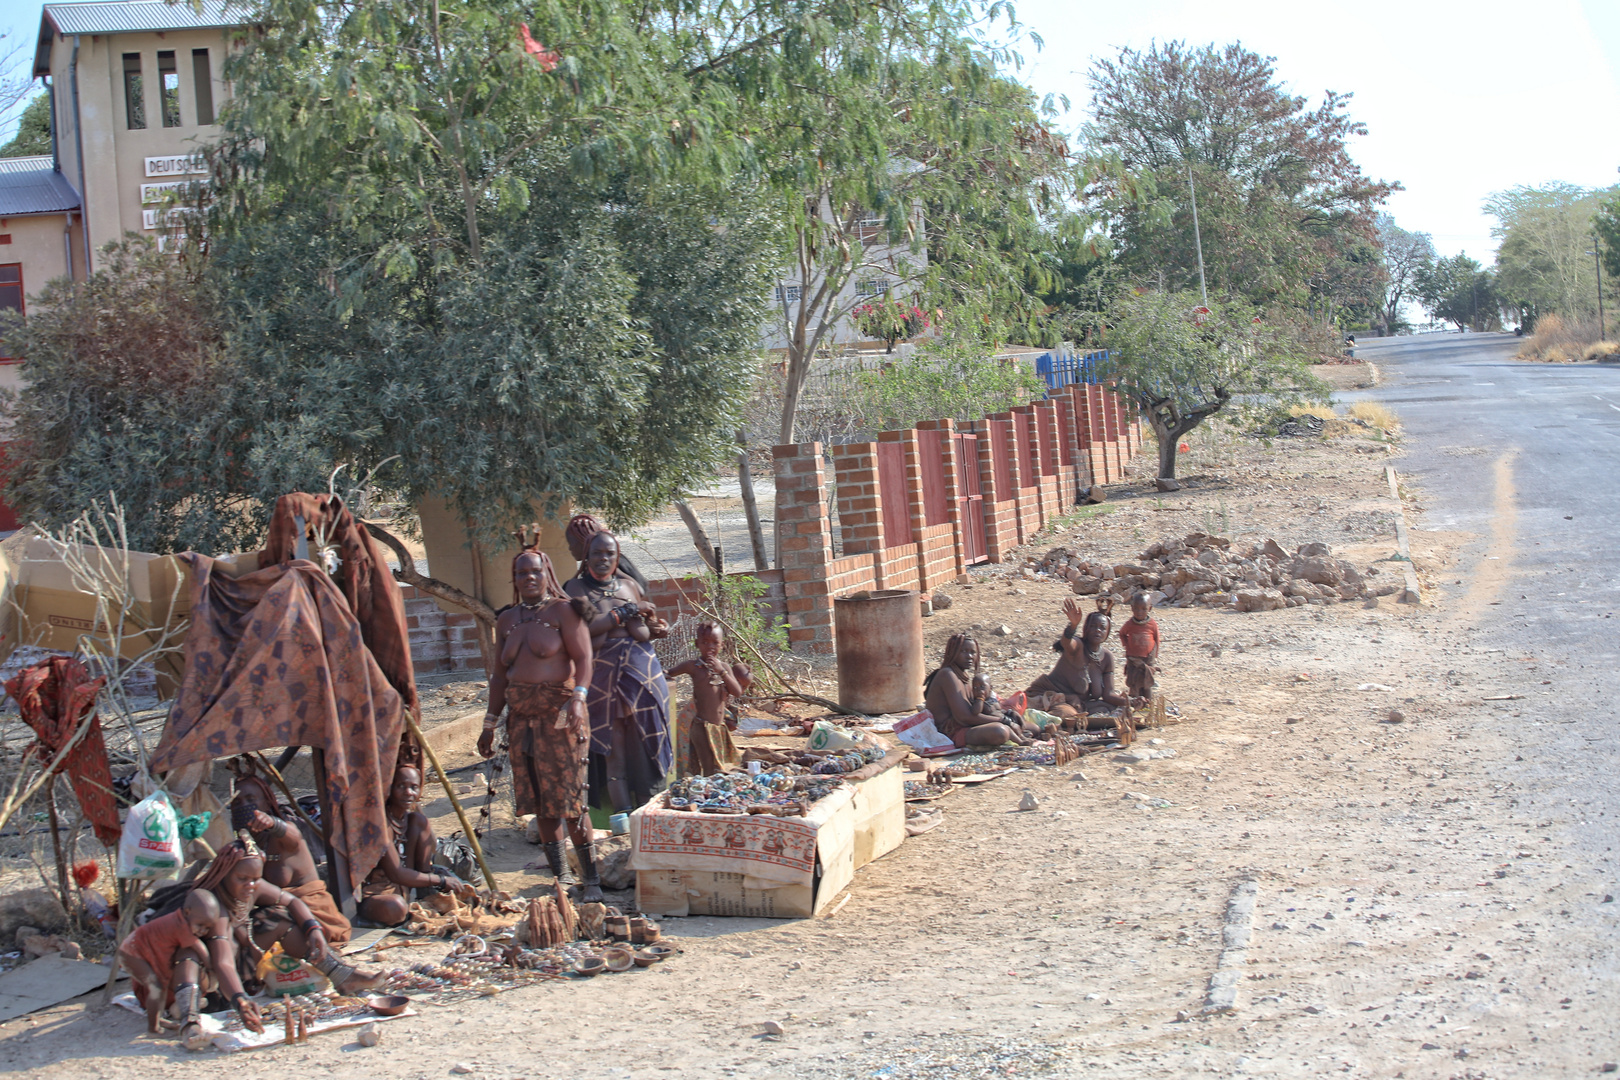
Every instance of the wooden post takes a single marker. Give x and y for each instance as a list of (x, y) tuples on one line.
[(466, 829), (56, 845), (745, 481)]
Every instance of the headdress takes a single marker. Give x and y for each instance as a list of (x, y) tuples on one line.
[(529, 541)]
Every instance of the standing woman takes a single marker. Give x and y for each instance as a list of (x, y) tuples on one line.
[(542, 677), (629, 700)]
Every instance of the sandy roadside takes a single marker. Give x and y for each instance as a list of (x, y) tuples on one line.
[(1408, 921)]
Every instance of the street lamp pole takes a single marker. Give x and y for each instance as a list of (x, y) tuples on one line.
[(1597, 260)]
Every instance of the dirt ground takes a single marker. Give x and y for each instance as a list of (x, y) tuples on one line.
[(1348, 760)]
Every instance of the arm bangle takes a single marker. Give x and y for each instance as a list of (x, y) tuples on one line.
[(491, 721)]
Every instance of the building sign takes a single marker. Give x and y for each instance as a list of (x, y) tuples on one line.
[(174, 217), (176, 165), (156, 193)]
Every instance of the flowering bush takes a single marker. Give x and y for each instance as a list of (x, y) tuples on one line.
[(890, 321)]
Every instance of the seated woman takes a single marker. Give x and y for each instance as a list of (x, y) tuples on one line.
[(408, 863), (255, 915), (960, 701), (1084, 673)]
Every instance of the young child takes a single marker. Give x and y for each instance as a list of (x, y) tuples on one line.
[(168, 962), (1140, 636), (714, 684)]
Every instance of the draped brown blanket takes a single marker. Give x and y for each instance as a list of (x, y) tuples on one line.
[(53, 696), (275, 658)]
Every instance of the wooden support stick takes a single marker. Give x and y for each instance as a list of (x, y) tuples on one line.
[(466, 829)]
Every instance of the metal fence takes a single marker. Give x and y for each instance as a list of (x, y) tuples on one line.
[(1064, 367)]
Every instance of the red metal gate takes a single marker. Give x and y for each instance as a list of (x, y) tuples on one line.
[(892, 499), (970, 499)]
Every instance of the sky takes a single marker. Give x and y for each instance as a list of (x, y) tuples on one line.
[(1460, 97)]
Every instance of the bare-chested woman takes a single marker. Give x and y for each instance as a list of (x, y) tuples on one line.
[(543, 678), (1084, 673), (961, 704)]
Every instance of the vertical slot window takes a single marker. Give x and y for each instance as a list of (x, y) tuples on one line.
[(202, 77), (134, 92), (169, 81), (11, 299)]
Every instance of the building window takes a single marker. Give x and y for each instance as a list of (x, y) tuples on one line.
[(202, 77), (134, 92), (11, 298), (872, 288), (788, 294), (169, 77)]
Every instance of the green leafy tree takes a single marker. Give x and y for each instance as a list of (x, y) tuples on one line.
[(1182, 362), (504, 264), (1545, 235), (1279, 197), (33, 137), (953, 374), (1458, 290)]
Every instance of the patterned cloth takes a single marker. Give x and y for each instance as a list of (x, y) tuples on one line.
[(628, 682), (53, 696), (275, 658), (160, 942), (701, 749), (368, 585), (549, 764)]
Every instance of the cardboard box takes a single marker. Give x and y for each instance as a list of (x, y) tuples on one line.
[(861, 822), (42, 606)]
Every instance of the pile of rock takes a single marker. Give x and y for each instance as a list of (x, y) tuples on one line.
[(1203, 569)]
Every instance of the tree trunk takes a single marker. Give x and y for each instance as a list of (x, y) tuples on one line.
[(443, 590), (1167, 452), (700, 539), (745, 481)]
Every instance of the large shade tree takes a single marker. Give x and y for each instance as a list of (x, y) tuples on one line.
[(1279, 199)]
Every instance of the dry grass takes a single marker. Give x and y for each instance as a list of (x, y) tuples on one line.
[(1321, 412), (1557, 340), (1379, 416)]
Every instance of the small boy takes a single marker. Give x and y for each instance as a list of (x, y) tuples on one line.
[(168, 962), (714, 684), (1140, 636)]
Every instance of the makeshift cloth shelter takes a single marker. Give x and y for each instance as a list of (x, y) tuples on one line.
[(53, 696), (278, 658)]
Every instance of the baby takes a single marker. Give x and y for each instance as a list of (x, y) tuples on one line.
[(1140, 636), (714, 684), (168, 962)]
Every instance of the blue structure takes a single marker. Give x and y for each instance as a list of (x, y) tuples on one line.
[(1063, 367)]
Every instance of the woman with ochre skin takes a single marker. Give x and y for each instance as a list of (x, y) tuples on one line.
[(629, 698), (408, 862), (1084, 673), (962, 705), (543, 678)]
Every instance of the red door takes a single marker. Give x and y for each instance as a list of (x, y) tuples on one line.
[(970, 499)]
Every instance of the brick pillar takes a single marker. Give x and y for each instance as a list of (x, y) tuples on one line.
[(1085, 470), (860, 513), (953, 491), (805, 542), (1098, 434), (1110, 418), (1049, 444), (1008, 435), (1070, 435)]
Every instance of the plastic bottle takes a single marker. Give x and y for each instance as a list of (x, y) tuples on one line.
[(96, 905)]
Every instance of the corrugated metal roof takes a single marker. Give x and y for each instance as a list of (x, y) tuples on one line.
[(130, 17), (29, 185)]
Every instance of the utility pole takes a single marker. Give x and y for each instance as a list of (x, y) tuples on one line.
[(1597, 260), (1198, 242)]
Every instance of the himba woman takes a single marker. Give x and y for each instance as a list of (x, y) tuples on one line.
[(962, 704), (1084, 673), (255, 915), (541, 679)]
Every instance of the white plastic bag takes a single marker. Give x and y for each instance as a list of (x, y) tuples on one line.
[(918, 731), (825, 736), (150, 845)]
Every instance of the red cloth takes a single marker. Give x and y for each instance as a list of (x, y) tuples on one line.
[(275, 658), (53, 696), (368, 585), (1139, 639), (158, 943)]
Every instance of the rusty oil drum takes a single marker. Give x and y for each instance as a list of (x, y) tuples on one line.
[(880, 652)]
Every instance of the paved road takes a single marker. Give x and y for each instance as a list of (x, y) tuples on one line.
[(1527, 457)]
